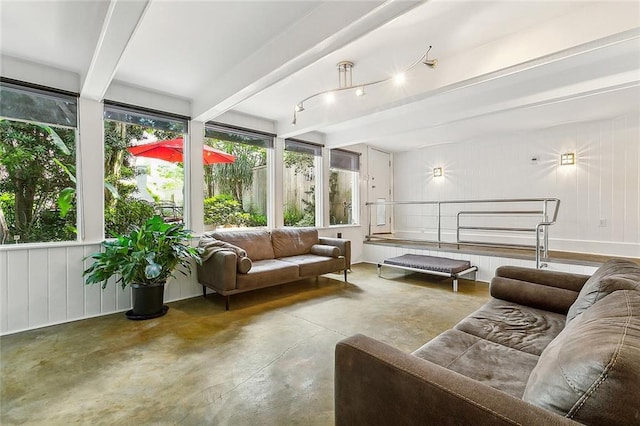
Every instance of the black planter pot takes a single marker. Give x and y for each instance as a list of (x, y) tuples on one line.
[(147, 302)]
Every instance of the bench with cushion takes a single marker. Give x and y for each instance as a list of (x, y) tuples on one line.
[(442, 266)]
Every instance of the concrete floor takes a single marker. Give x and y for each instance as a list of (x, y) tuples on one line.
[(268, 361)]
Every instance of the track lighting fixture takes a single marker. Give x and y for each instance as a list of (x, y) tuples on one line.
[(345, 82)]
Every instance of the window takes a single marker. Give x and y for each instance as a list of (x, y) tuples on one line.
[(144, 170), (302, 163), (37, 164), (343, 187), (236, 188)]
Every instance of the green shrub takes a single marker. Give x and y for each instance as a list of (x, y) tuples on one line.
[(223, 209), (291, 216), (309, 219), (256, 219), (126, 213)]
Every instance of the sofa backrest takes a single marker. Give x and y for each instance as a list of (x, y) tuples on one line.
[(257, 243), (293, 241), (613, 275), (590, 372)]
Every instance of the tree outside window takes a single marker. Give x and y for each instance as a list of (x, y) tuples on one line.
[(236, 193)]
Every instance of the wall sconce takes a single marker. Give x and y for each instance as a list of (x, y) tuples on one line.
[(437, 172), (568, 159)]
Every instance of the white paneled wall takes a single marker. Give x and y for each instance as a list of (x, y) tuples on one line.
[(44, 286), (487, 265), (600, 195)]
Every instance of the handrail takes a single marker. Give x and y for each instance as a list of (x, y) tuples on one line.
[(540, 227)]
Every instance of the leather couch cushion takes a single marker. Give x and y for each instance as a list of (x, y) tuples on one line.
[(265, 273), (590, 372), (293, 241), (516, 326), (257, 244), (325, 250), (311, 265), (615, 274), (492, 364), (244, 265)]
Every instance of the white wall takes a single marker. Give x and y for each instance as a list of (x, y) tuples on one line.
[(44, 286), (603, 185)]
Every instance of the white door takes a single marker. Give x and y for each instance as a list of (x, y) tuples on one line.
[(379, 189)]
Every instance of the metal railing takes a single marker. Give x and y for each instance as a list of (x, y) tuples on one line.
[(544, 217)]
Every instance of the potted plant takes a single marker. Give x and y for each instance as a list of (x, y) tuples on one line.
[(144, 259)]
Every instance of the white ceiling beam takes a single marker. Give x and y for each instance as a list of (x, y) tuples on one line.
[(121, 21), (316, 35), (613, 67), (517, 52)]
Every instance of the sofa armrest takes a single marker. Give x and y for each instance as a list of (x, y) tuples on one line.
[(343, 245), (557, 279), (542, 289), (376, 384), (219, 272)]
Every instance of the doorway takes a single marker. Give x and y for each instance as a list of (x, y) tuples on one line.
[(379, 190)]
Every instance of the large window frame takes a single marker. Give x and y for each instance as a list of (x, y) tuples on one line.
[(52, 115), (169, 126), (245, 216)]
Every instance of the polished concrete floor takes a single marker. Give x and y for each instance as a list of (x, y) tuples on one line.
[(268, 361)]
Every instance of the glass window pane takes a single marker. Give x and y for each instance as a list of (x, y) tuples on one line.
[(236, 191), (299, 182), (144, 175), (37, 182), (343, 200), (37, 105)]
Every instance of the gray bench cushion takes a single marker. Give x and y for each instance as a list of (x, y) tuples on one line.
[(429, 263)]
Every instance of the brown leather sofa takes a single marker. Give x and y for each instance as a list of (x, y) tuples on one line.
[(253, 259), (548, 348)]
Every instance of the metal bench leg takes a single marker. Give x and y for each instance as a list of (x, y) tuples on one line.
[(226, 303), (455, 283), (345, 275), (204, 291)]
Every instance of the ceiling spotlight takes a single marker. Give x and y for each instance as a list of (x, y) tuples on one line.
[(329, 98), (399, 78), (360, 91), (299, 107), (295, 119)]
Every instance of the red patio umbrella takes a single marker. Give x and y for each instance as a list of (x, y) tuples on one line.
[(171, 150)]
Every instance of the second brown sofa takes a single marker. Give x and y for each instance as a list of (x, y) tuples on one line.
[(274, 257)]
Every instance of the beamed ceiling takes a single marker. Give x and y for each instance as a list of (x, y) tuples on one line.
[(504, 66)]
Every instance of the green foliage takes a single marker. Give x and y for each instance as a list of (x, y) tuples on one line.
[(30, 159), (234, 178), (292, 216), (124, 213), (257, 219), (298, 161), (147, 255), (309, 219), (224, 210)]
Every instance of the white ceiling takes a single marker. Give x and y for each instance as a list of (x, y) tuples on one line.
[(504, 66)]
